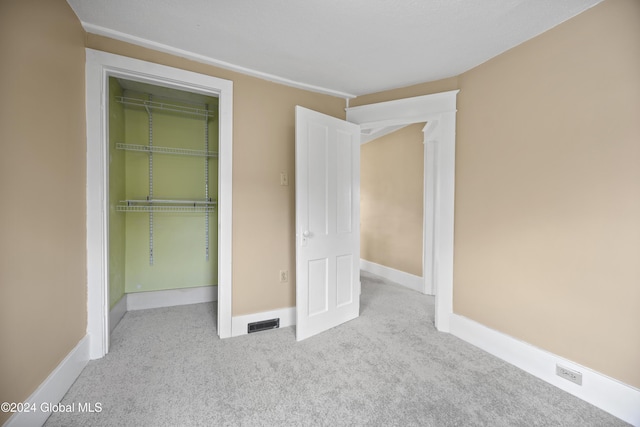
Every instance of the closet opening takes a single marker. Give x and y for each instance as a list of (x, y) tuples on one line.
[(162, 197), (103, 311)]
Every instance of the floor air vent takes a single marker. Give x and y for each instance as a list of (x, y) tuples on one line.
[(263, 325)]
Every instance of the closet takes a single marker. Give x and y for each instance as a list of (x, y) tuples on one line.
[(163, 186)]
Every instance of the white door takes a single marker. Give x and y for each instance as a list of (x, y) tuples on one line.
[(327, 222)]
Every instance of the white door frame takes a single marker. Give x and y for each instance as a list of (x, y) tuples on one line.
[(99, 67), (439, 111)]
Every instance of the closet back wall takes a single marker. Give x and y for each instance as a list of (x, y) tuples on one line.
[(179, 256), (178, 238)]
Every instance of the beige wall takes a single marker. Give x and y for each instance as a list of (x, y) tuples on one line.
[(547, 229), (547, 234), (391, 199), (42, 185), (263, 211)]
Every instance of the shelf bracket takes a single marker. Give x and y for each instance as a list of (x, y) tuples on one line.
[(150, 183), (206, 182)]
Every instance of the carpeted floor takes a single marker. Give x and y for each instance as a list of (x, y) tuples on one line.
[(389, 367)]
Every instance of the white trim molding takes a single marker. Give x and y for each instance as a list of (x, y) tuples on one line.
[(160, 47), (53, 389), (610, 395), (99, 67), (429, 237), (407, 280), (368, 135), (171, 297), (403, 111), (240, 323), (439, 111)]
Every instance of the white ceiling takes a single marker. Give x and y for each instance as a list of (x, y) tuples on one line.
[(343, 47)]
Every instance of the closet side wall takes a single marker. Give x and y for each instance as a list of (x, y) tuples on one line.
[(117, 226)]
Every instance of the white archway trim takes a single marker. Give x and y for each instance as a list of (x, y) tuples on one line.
[(99, 67), (403, 111), (373, 134), (430, 191), (439, 111)]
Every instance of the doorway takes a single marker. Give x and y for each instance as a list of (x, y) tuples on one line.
[(163, 193), (439, 112), (100, 66)]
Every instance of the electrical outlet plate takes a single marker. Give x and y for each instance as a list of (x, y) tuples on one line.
[(284, 276), (284, 179), (569, 374)]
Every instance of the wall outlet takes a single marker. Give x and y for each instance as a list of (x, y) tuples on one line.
[(569, 374), (284, 276)]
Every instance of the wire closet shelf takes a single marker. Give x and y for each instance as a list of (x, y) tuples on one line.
[(166, 106), (150, 204), (166, 150), (167, 205)]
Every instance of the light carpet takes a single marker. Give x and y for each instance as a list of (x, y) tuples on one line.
[(389, 367)]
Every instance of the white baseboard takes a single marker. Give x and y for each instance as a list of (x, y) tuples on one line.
[(171, 297), (53, 389), (117, 312), (608, 394), (408, 280), (239, 324)]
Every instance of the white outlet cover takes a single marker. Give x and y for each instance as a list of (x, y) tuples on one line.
[(569, 374)]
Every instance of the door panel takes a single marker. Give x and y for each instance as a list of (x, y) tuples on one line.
[(344, 197), (344, 276), (318, 286), (317, 164), (327, 222)]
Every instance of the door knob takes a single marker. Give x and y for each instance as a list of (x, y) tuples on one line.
[(306, 233)]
